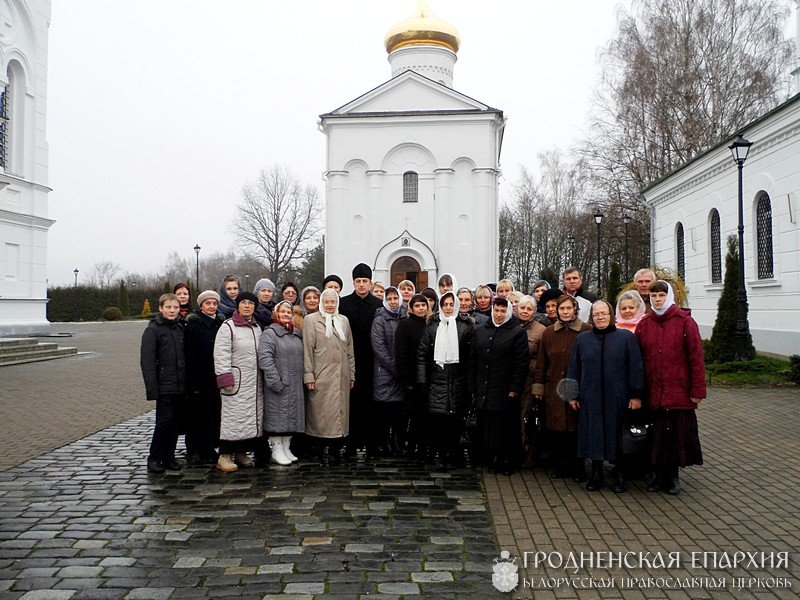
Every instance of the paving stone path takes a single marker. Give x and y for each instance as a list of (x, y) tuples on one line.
[(87, 521)]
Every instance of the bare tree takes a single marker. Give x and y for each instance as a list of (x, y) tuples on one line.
[(278, 219), (103, 273)]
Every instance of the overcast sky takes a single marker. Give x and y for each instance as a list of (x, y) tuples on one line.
[(159, 112)]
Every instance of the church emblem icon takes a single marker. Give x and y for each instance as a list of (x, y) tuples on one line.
[(505, 572)]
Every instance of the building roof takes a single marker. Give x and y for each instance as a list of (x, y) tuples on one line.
[(725, 141)]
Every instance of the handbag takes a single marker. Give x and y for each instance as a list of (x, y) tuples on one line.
[(469, 432), (636, 437), (534, 421)]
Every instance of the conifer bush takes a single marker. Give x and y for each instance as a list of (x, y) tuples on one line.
[(112, 313)]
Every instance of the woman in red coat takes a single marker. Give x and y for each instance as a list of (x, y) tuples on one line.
[(676, 382)]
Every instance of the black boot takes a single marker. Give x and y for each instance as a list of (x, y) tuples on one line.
[(657, 482), (673, 486), (579, 470), (154, 466), (596, 480), (619, 481)]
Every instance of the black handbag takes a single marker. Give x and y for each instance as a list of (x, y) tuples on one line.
[(469, 432), (636, 437), (534, 422)]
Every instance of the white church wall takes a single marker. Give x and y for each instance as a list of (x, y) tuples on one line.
[(710, 182)]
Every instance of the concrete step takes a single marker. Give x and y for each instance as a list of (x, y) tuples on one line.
[(36, 355), (6, 351), (17, 342)]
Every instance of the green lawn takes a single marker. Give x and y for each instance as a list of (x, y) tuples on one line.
[(761, 371)]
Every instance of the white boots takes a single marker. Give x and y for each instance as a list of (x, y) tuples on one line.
[(279, 444)]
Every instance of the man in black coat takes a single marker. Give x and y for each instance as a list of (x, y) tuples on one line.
[(204, 404), (573, 285), (359, 308)]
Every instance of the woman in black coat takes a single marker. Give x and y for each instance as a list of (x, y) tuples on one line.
[(498, 369), (442, 362), (204, 406)]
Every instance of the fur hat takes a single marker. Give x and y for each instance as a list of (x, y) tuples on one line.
[(207, 295), (246, 296), (335, 278), (362, 271)]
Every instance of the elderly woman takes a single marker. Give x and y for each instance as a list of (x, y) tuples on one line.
[(265, 290), (466, 301), (333, 282), (498, 369), (676, 382), (330, 370), (630, 310), (607, 365), (236, 367), (387, 391), (280, 358), (551, 368), (546, 312), (526, 309), (309, 303), (442, 362)]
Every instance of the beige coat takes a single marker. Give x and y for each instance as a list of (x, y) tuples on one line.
[(330, 365)]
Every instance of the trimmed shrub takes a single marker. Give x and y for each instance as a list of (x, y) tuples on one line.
[(112, 313)]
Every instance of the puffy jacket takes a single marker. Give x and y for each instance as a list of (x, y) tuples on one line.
[(162, 361), (386, 383), (280, 359), (499, 363), (447, 391), (406, 343), (672, 351)]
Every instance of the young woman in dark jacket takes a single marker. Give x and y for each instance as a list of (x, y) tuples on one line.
[(498, 369), (675, 374), (442, 362), (406, 344), (202, 434)]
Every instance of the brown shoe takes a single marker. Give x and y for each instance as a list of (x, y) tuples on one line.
[(243, 460), (225, 464)]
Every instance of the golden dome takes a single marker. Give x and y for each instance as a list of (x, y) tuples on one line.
[(422, 28)]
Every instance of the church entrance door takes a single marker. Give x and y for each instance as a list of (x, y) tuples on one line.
[(406, 267)]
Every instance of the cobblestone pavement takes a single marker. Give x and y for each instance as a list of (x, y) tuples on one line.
[(87, 521), (744, 498), (59, 401)]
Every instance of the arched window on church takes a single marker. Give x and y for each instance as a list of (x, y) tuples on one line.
[(410, 186), (12, 120), (764, 236), (715, 246), (5, 108), (680, 252)]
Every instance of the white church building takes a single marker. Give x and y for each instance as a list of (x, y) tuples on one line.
[(695, 208), (23, 166), (412, 168)]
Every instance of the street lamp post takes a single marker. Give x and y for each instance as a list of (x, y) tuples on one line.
[(76, 277), (626, 219), (598, 219), (739, 149), (197, 268), (571, 255)]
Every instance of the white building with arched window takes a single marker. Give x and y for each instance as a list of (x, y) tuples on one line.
[(23, 166), (695, 208), (412, 168)]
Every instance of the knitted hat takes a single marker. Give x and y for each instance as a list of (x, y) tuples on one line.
[(246, 296), (335, 278), (362, 271), (551, 294), (263, 284), (207, 295)]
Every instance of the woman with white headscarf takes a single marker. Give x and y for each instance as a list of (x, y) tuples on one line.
[(630, 310), (442, 362), (387, 390), (498, 369), (329, 373), (675, 374)]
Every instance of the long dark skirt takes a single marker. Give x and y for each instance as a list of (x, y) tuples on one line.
[(500, 430), (676, 441)]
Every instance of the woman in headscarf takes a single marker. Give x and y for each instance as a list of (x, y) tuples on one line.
[(230, 288), (446, 283), (466, 300), (526, 309), (551, 368), (309, 303), (330, 371), (181, 290), (676, 382), (442, 363), (546, 312), (498, 369), (236, 367), (280, 358), (607, 365), (387, 391), (407, 337), (630, 310), (407, 291), (539, 288), (265, 290)]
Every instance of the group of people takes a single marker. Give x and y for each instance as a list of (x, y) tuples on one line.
[(396, 372)]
